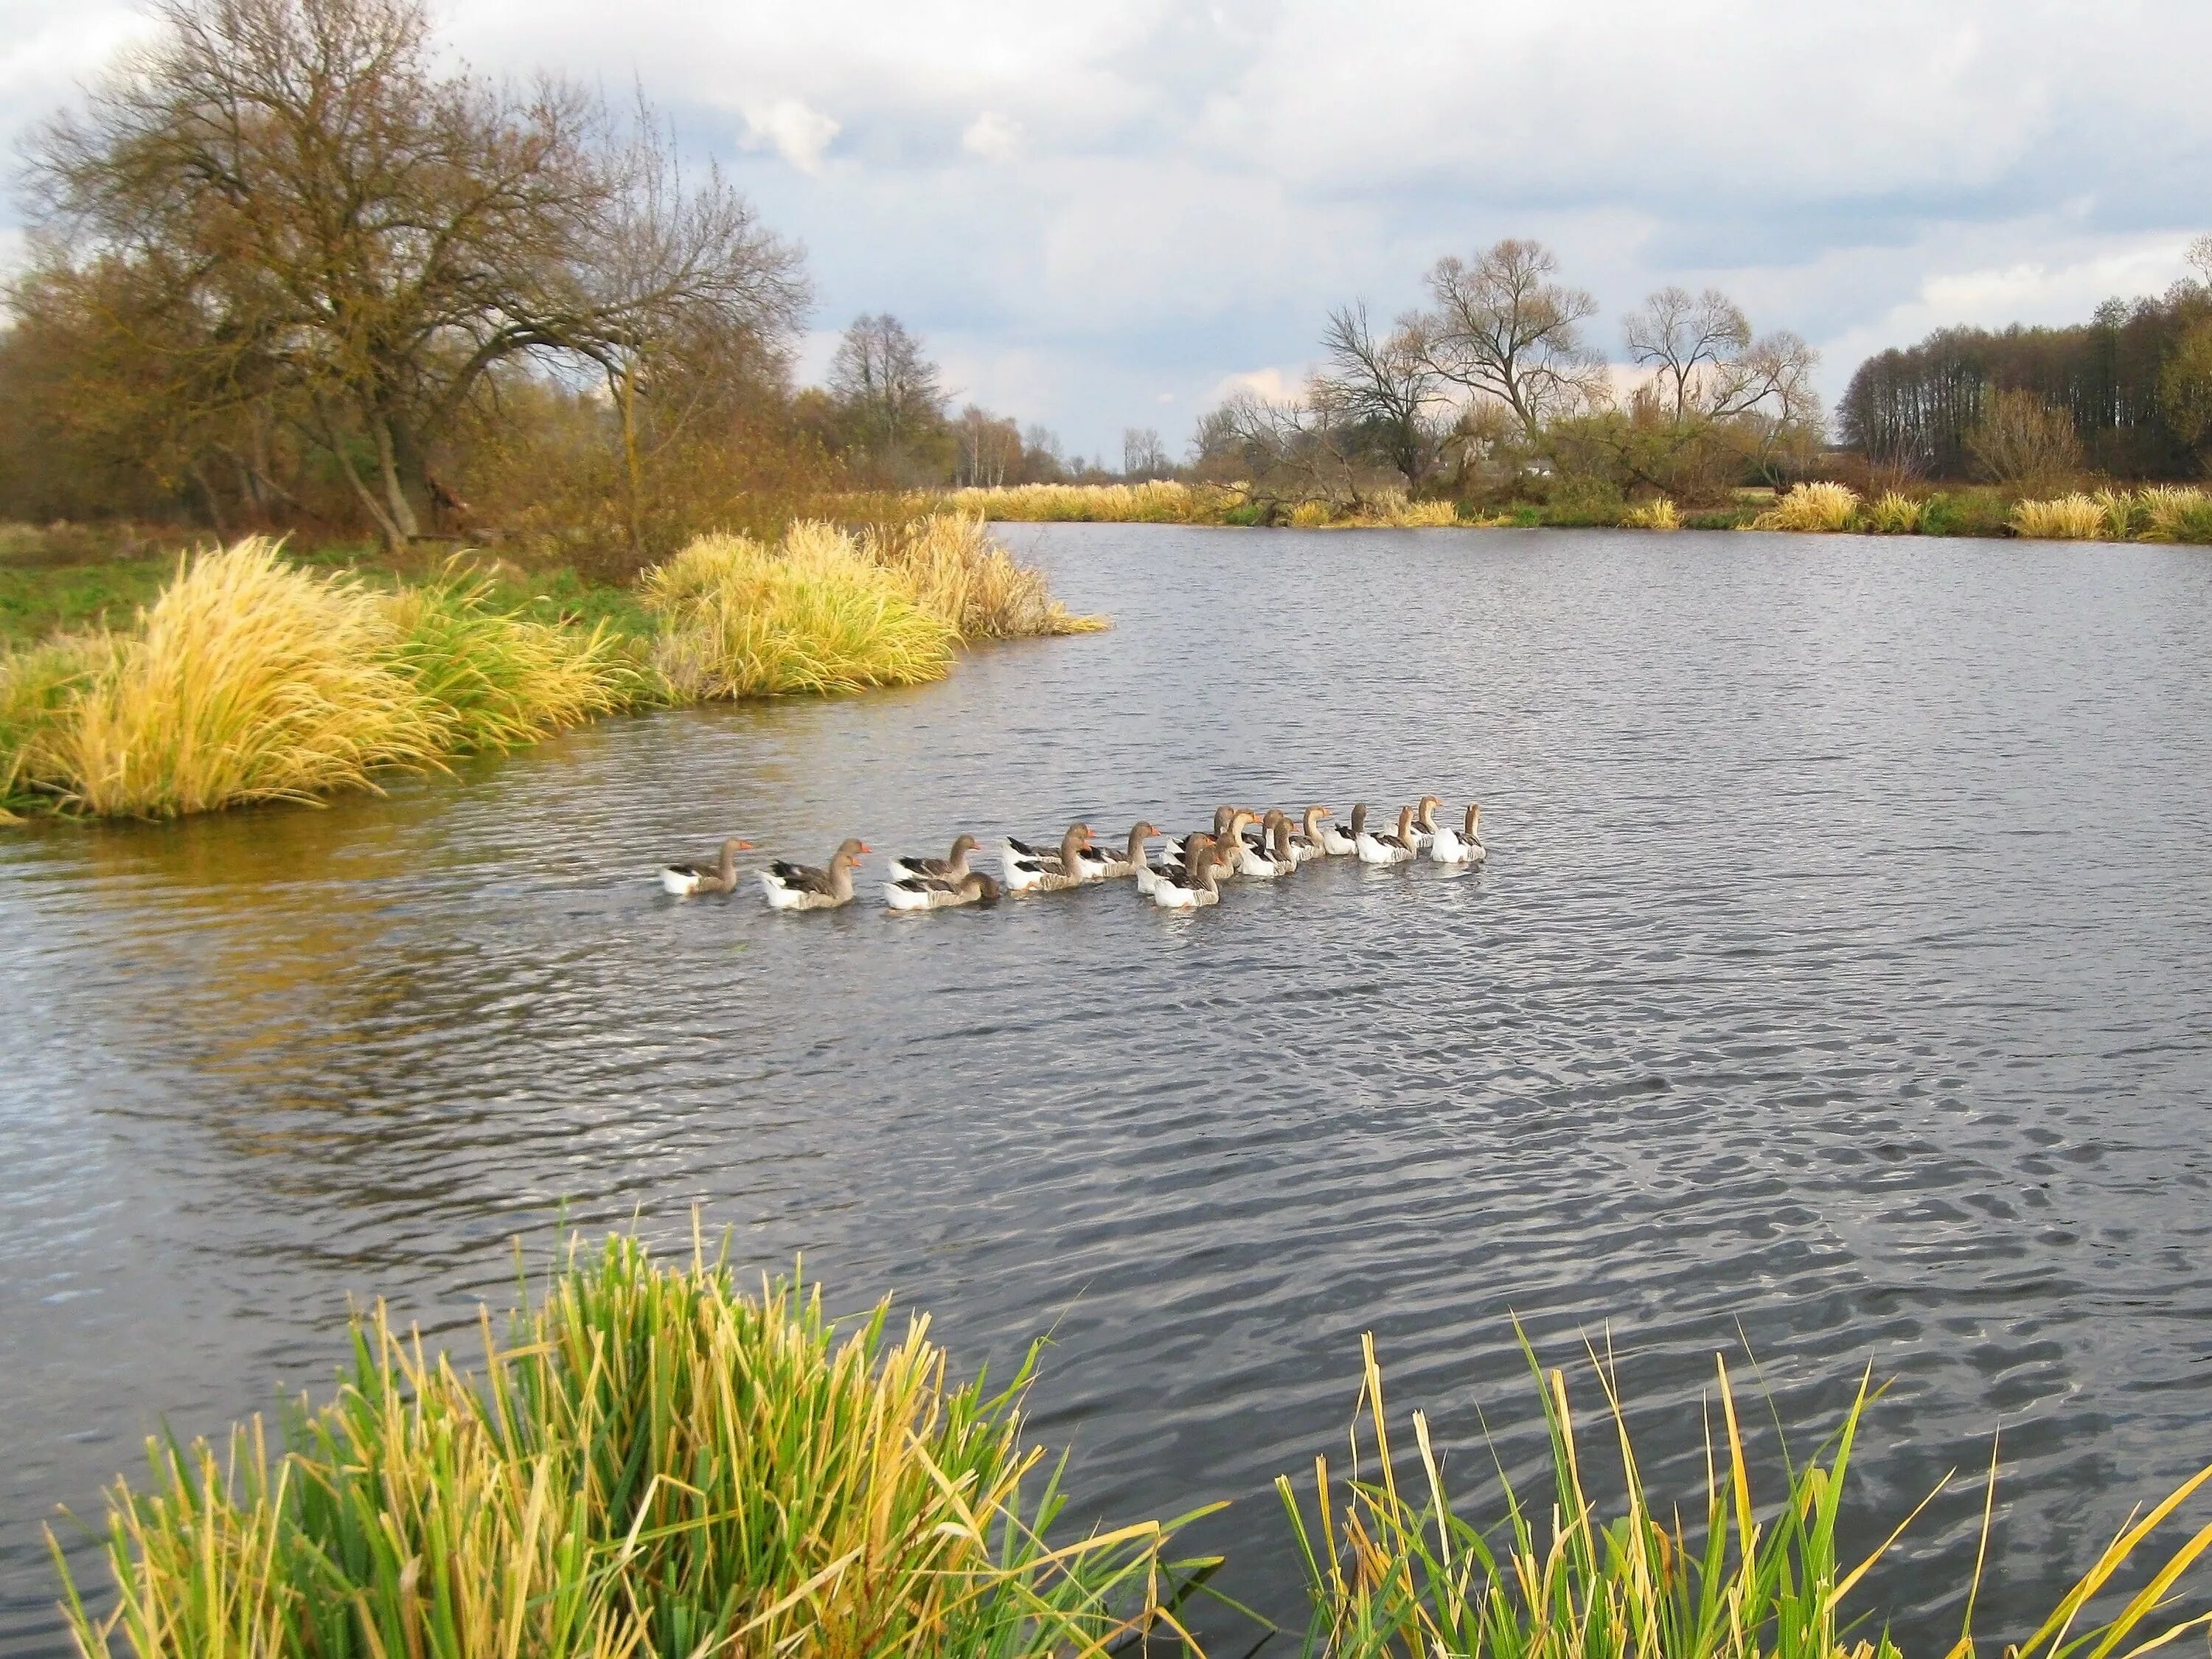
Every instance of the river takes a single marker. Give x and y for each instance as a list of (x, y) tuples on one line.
[(1838, 986)]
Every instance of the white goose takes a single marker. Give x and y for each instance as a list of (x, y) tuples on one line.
[(1055, 873), (1465, 846), (951, 867), (803, 887), (1175, 860), (1306, 841), (1089, 863), (1424, 823), (1195, 891), (1387, 849), (1334, 842), (683, 880), (1271, 858), (921, 893), (1133, 860)]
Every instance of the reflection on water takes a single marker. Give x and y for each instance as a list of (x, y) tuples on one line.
[(1836, 983)]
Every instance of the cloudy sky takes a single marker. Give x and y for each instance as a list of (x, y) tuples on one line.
[(1105, 216)]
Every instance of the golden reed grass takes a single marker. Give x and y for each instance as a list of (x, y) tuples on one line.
[(650, 1462), (1811, 507), (1393, 1574)]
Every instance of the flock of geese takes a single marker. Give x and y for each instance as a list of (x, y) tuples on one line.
[(1187, 876)]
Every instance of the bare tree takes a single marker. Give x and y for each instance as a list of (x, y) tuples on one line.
[(2200, 256), (880, 373), (1143, 454), (1682, 340), (990, 448), (1502, 328), (355, 241), (1387, 386)]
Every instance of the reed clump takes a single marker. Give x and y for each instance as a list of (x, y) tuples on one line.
[(814, 613), (249, 679), (1659, 514), (2175, 513), (1894, 514), (2075, 517), (1157, 500), (1820, 505), (650, 1462), (1397, 1572), (956, 570)]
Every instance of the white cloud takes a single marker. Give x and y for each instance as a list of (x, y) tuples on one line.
[(993, 136), (793, 130)]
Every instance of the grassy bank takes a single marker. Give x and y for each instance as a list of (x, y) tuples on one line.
[(251, 676), (650, 1461), (2157, 514)]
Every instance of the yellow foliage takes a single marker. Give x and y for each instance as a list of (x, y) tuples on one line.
[(1159, 500), (1811, 507), (1895, 514), (1660, 514), (814, 613), (2075, 517), (956, 570)]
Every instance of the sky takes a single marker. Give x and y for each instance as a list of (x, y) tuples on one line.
[(1103, 216)]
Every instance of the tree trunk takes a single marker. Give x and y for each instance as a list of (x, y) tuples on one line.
[(401, 523)]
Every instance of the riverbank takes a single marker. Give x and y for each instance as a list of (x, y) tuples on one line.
[(250, 675), (651, 1460), (2156, 513)]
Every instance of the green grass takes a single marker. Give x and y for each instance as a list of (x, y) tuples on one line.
[(40, 600), (650, 1461), (1395, 1570)]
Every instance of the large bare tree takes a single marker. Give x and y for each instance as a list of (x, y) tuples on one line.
[(326, 217), (1501, 326), (1386, 387)]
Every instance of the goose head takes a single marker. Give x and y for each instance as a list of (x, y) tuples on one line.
[(1314, 815), (1405, 825), (1358, 820), (1428, 816)]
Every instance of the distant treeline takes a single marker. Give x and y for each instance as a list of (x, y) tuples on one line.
[(2133, 381)]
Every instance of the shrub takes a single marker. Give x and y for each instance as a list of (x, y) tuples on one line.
[(813, 614), (248, 680), (1966, 512), (2074, 518), (1811, 507), (651, 1463), (1310, 515), (956, 571), (1394, 1576), (1895, 514), (1659, 514)]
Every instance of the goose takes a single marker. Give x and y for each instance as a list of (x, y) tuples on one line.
[(1460, 846), (1055, 873), (1091, 863), (1276, 860), (921, 893), (685, 879), (802, 887), (1134, 858), (1387, 849), (1176, 861), (953, 867), (1193, 891), (1334, 842), (1306, 841), (1425, 823), (1362, 842)]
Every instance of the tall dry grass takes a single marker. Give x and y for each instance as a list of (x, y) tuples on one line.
[(2176, 513), (1396, 1573), (501, 681), (248, 680), (1816, 506), (650, 1462), (956, 570), (814, 613), (252, 679), (1894, 514), (1160, 501), (2075, 517), (1660, 514)]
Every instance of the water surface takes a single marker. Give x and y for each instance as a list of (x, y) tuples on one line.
[(1837, 985)]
